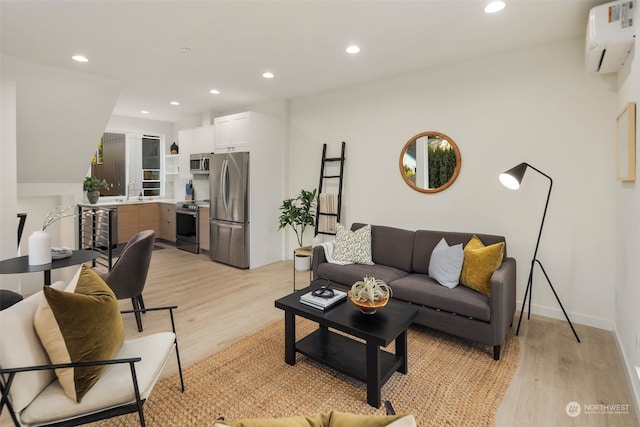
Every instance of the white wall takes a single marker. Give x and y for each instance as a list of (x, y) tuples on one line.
[(627, 202), (58, 112), (58, 118), (536, 105), (136, 125), (8, 179)]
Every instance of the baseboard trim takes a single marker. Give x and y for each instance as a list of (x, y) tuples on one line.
[(633, 374), (581, 319)]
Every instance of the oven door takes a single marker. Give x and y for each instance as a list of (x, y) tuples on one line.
[(187, 233)]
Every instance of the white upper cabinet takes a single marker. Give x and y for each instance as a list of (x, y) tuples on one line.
[(194, 141), (232, 132)]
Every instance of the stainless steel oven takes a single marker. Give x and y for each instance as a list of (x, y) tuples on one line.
[(187, 227)]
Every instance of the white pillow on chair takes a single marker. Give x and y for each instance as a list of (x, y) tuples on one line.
[(20, 346)]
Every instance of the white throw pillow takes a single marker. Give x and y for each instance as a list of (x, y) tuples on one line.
[(20, 346), (446, 263), (353, 246)]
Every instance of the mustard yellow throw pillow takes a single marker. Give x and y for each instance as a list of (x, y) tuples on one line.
[(479, 263), (331, 419), (80, 326)]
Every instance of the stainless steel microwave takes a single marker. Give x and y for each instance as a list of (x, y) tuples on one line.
[(199, 163)]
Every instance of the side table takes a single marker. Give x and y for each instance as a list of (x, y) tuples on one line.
[(305, 251), (20, 264)]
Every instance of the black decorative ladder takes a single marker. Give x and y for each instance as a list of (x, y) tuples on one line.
[(323, 176)]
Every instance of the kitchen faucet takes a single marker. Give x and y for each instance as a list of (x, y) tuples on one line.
[(129, 188)]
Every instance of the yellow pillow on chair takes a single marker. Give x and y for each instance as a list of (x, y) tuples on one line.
[(331, 419)]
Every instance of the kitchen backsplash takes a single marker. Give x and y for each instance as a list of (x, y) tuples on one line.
[(175, 189)]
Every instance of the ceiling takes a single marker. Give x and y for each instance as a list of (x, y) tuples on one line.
[(231, 43)]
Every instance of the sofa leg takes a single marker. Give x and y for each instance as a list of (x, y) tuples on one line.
[(496, 352)]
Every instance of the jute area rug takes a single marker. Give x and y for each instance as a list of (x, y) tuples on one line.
[(451, 382)]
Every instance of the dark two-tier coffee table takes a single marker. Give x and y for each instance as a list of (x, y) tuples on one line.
[(364, 361)]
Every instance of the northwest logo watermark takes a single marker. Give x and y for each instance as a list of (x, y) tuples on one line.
[(573, 409)]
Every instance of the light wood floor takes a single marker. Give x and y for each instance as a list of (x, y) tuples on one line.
[(219, 305)]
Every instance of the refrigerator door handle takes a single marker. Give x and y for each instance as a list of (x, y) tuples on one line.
[(226, 224), (224, 174)]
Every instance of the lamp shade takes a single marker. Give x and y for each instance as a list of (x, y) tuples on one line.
[(513, 177)]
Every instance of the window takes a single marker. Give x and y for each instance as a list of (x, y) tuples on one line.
[(151, 165)]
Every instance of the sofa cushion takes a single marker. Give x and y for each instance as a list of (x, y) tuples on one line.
[(446, 263), (80, 326), (426, 240), (480, 262), (20, 346), (390, 246), (115, 387), (349, 274), (353, 246), (423, 290)]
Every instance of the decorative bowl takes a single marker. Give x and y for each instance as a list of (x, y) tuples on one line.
[(368, 307)]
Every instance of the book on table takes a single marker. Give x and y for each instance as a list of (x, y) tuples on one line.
[(323, 303)]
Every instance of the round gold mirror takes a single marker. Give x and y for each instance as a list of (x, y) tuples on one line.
[(430, 162)]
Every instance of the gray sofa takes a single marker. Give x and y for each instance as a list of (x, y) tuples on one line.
[(401, 259)]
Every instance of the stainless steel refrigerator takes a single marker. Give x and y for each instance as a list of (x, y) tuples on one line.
[(229, 221)]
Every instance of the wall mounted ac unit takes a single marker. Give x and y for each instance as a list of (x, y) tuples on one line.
[(610, 36)]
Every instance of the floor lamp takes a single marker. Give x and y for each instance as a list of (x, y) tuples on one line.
[(512, 179)]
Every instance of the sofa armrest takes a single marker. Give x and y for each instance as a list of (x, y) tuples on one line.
[(53, 366), (503, 298), (317, 259)]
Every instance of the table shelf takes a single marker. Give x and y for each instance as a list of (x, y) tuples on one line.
[(345, 354)]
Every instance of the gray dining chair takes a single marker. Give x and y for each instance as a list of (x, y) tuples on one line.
[(128, 275)]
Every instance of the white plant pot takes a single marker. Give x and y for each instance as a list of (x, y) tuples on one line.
[(302, 263), (39, 248)]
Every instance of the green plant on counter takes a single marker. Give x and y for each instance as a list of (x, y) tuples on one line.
[(298, 213), (91, 183)]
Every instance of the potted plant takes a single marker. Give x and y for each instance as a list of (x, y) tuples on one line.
[(92, 186), (299, 213), (370, 294)]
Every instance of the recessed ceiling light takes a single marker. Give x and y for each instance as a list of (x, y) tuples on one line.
[(79, 58), (174, 103), (144, 111), (215, 91), (494, 6), (353, 49), (267, 75), (185, 49)]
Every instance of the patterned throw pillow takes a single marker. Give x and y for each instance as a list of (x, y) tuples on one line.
[(353, 246), (480, 262)]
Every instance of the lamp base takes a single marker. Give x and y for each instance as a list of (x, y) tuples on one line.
[(527, 293)]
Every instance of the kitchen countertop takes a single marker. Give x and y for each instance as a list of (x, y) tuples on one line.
[(120, 201)]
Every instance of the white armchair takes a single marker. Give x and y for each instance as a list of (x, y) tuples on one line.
[(34, 395)]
